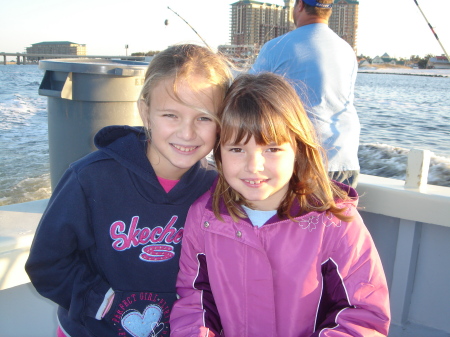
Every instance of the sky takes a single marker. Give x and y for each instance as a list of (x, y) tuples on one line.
[(396, 27)]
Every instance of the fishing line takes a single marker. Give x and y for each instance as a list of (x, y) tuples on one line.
[(167, 22), (435, 35)]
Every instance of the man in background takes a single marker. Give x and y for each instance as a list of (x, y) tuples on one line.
[(323, 68)]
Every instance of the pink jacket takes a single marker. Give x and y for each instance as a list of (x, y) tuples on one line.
[(315, 277)]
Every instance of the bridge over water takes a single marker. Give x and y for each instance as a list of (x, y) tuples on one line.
[(23, 57)]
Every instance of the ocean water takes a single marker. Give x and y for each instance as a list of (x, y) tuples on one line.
[(397, 113), (24, 160)]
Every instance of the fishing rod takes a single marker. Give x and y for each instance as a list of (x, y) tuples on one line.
[(167, 22), (435, 35)]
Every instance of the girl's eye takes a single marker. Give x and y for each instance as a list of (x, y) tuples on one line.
[(205, 119), (170, 115), (274, 149), (235, 149)]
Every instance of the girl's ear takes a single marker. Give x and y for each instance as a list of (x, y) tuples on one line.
[(144, 112)]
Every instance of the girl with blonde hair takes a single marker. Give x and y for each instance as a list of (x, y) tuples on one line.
[(107, 247)]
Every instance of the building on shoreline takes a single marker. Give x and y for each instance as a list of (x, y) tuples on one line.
[(438, 62), (253, 23), (344, 20), (384, 59), (56, 47)]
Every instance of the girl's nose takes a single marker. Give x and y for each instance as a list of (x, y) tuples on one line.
[(255, 162), (187, 131)]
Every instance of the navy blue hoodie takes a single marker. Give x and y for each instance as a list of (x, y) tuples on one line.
[(110, 224)]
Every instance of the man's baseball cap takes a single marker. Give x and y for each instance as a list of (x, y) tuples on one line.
[(314, 3)]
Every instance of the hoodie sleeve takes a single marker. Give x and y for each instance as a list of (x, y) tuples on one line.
[(195, 311), (355, 297), (58, 265)]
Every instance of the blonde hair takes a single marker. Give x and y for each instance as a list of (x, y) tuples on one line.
[(266, 107), (184, 63)]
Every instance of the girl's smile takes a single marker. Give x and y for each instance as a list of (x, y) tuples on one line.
[(254, 183), (183, 148)]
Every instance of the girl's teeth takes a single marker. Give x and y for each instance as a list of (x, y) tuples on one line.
[(184, 149), (253, 182)]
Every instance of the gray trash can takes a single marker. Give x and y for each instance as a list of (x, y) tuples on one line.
[(85, 95)]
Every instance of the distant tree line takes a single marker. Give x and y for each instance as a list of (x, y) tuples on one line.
[(414, 59), (149, 53), (421, 62)]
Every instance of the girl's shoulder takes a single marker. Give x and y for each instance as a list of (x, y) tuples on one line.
[(205, 200), (326, 219), (203, 203), (88, 160)]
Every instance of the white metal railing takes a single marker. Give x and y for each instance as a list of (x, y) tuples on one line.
[(412, 199), (415, 204)]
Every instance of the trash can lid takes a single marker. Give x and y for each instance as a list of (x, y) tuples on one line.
[(96, 66)]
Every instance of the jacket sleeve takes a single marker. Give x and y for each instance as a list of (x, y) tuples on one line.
[(195, 309), (58, 265), (355, 297)]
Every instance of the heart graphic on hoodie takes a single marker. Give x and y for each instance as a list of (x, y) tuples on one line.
[(143, 325)]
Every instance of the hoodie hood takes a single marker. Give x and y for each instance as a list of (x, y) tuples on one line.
[(127, 146)]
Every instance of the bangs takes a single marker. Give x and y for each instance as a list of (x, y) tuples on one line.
[(250, 117)]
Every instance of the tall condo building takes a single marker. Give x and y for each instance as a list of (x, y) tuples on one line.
[(253, 23), (344, 20)]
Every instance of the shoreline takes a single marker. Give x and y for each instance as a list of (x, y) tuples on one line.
[(405, 71), (384, 70)]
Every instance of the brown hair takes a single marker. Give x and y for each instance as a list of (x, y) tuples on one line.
[(323, 13), (265, 106), (182, 62)]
